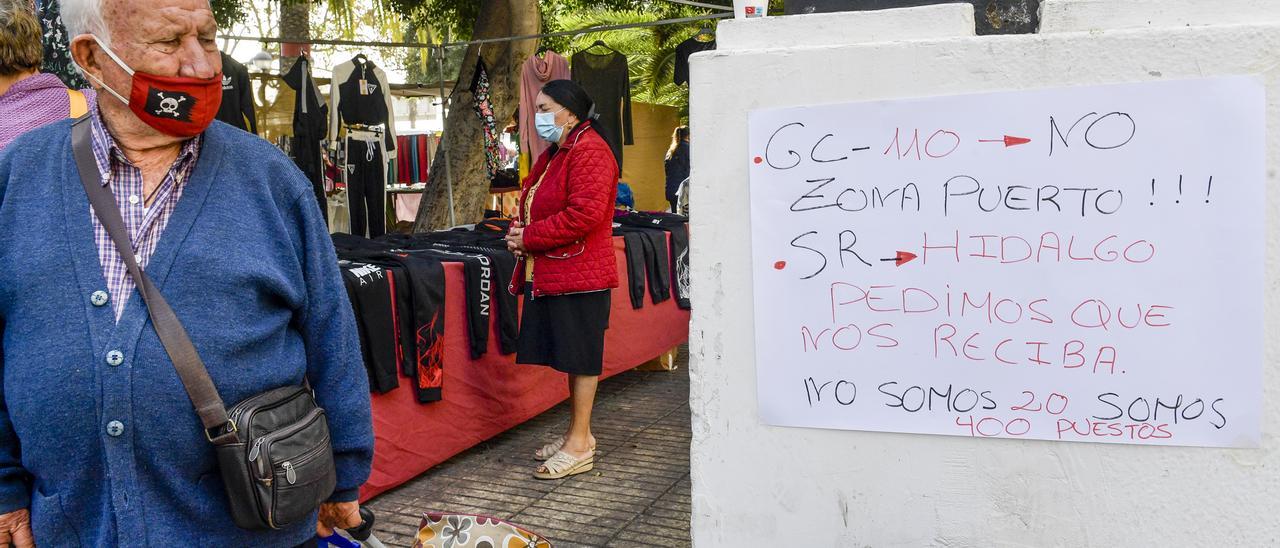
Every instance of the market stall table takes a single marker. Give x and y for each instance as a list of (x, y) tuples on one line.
[(485, 397)]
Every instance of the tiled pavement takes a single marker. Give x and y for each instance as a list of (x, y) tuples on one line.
[(638, 494)]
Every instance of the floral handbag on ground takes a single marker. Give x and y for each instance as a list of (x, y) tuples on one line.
[(443, 530)]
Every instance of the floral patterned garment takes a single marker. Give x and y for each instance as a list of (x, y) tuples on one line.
[(57, 49), (484, 109), (441, 530)]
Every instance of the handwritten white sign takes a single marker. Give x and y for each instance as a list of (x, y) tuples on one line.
[(1075, 264)]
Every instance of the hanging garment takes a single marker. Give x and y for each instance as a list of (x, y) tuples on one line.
[(392, 172), (658, 265), (366, 184), (425, 150), (359, 95), (427, 290), (488, 126), (415, 158), (406, 206), (310, 114), (634, 252), (683, 51), (237, 96), (372, 299), (57, 51), (536, 72), (404, 171), (605, 77)]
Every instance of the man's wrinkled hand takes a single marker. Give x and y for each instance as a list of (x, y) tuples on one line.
[(340, 515), (15, 530)]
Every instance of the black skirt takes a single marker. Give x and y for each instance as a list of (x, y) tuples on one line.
[(565, 332)]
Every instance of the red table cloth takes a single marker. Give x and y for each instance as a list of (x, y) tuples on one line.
[(485, 397)]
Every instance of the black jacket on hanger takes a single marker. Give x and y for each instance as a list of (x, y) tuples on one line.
[(683, 51), (605, 77), (237, 96), (310, 122)]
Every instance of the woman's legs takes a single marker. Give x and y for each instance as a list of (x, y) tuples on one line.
[(582, 396)]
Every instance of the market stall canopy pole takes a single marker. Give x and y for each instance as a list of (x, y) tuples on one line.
[(444, 142)]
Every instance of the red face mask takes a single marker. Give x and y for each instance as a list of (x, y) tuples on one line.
[(173, 105)]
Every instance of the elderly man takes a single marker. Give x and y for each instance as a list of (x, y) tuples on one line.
[(99, 444)]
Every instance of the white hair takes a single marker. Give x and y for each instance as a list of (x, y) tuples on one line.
[(84, 17)]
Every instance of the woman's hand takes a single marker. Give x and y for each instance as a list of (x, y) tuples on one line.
[(515, 239)]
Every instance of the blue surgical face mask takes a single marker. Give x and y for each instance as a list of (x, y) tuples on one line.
[(545, 122)]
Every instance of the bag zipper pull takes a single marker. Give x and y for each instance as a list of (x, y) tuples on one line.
[(257, 446), (289, 474)]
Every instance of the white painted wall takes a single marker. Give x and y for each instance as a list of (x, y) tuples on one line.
[(755, 485), (826, 30), (1086, 15)]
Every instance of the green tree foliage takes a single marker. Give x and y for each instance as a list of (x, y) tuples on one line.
[(228, 12)]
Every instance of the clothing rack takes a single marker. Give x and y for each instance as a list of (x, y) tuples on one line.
[(584, 30), (444, 98), (701, 5)]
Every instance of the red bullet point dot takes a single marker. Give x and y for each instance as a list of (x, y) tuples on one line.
[(759, 159), (780, 265)]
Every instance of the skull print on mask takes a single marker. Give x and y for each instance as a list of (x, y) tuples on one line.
[(173, 105)]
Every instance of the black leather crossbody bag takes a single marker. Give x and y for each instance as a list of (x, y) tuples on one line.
[(273, 448)]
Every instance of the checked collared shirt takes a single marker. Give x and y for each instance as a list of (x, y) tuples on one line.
[(144, 223)]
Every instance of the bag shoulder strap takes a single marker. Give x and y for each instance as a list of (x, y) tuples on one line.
[(79, 105), (195, 377)]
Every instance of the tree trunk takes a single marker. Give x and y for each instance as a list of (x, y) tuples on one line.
[(463, 131), (295, 25)]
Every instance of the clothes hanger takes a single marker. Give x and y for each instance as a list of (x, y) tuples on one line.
[(600, 43)]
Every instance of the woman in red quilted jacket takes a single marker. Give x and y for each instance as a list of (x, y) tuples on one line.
[(564, 239)]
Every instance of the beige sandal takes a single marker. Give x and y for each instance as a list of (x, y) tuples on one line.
[(549, 450), (563, 465)]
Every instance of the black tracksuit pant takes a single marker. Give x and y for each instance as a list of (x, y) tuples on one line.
[(369, 287), (634, 252), (366, 188), (648, 263), (427, 290)]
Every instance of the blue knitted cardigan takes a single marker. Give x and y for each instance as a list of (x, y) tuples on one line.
[(247, 265)]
